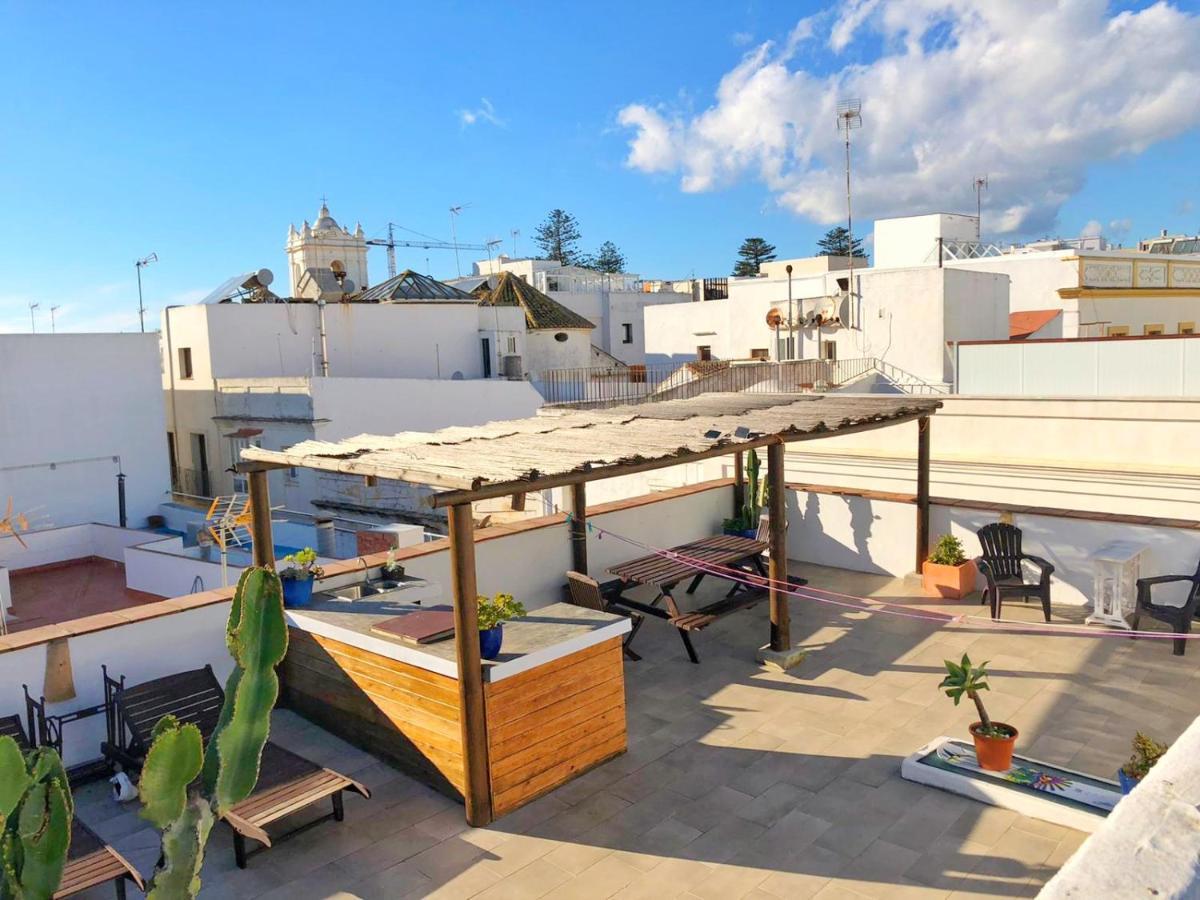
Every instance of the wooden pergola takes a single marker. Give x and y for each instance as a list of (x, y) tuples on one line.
[(569, 449)]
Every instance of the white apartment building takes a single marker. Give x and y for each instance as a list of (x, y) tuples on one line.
[(1099, 292), (613, 302), (76, 412)]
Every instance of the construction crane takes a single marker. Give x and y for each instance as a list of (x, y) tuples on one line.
[(431, 244)]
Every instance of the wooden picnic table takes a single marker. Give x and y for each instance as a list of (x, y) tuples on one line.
[(665, 571)]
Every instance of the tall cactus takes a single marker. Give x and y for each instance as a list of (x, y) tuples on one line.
[(36, 810), (185, 786), (752, 504)]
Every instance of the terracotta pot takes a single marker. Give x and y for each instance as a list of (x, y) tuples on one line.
[(994, 754), (951, 582)]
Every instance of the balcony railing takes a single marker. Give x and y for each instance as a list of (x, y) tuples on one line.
[(599, 387)]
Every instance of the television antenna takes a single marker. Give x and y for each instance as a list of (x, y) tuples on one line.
[(430, 244), (228, 521), (455, 212), (981, 185), (139, 265), (849, 117), (32, 321), (515, 234), (53, 309)]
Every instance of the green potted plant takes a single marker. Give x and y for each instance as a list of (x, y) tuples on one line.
[(1146, 752), (493, 613), (993, 740), (392, 571), (947, 572), (298, 575), (745, 523)]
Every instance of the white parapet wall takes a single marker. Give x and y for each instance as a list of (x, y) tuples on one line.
[(1150, 844), (55, 545)]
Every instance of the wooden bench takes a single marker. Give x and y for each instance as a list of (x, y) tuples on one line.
[(287, 782), (701, 618)]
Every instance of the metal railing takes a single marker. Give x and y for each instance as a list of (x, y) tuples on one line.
[(599, 387)]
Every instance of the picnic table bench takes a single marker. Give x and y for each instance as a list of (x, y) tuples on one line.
[(665, 570)]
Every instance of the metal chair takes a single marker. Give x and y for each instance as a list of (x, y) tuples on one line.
[(1001, 564), (1178, 617)]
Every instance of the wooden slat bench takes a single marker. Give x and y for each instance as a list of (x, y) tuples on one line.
[(287, 782)]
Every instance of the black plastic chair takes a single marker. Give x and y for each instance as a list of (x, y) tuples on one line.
[(1178, 617), (1001, 566)]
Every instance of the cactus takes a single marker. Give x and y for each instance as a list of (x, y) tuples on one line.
[(186, 786), (36, 810), (755, 485)]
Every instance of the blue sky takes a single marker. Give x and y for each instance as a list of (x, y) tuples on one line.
[(200, 132)]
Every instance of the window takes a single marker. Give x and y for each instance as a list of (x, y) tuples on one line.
[(828, 350), (627, 336), (512, 346), (1187, 328), (1117, 330), (1152, 329), (704, 353), (760, 353), (185, 363), (561, 337), (486, 349), (844, 285)]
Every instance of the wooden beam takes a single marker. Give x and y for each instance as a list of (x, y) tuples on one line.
[(260, 520), (451, 498), (478, 793), (781, 626), (922, 490), (578, 501), (739, 486)]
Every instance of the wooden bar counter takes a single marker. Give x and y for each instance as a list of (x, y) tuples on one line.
[(554, 700)]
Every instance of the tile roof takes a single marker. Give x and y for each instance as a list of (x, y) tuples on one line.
[(410, 285), (541, 312), (1022, 324)]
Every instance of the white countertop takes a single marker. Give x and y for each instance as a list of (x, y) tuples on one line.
[(545, 634)]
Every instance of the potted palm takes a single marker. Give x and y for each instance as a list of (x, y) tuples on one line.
[(993, 740), (1146, 752), (947, 572), (493, 613), (298, 575)]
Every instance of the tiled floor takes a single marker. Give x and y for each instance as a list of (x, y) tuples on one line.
[(743, 783), (70, 590)]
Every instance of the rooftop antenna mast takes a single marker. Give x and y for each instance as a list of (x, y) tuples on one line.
[(849, 117), (32, 321), (981, 184), (515, 233), (53, 309), (139, 265), (455, 212)]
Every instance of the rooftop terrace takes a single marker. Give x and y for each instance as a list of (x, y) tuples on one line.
[(53, 594)]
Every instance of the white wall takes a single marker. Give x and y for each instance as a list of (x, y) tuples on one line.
[(1035, 277), (54, 545), (912, 240), (141, 651), (1087, 368), (69, 404), (544, 351), (157, 567), (611, 310)]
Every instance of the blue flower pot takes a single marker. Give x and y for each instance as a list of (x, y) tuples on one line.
[(490, 640), (297, 592), (1127, 783)]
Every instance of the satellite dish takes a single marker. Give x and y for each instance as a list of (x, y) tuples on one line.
[(348, 286), (774, 317)]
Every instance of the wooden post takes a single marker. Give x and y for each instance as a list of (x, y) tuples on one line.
[(922, 490), (478, 793), (260, 520), (579, 560), (739, 484), (781, 626)]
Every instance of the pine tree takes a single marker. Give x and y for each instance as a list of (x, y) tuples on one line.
[(753, 253), (836, 243), (608, 259), (558, 237)]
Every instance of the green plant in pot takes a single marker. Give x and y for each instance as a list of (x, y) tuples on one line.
[(993, 740), (756, 494), (1146, 752), (298, 574), (392, 570), (493, 612), (947, 572)]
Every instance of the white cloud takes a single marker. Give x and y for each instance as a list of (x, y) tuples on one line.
[(1029, 92), (741, 38), (1092, 229), (1119, 227), (485, 112)]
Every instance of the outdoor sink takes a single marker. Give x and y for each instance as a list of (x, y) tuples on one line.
[(359, 591)]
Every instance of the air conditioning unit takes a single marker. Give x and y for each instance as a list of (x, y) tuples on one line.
[(511, 366)]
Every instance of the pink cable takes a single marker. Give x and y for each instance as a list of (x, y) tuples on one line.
[(738, 576)]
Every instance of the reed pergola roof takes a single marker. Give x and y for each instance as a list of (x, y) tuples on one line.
[(567, 447)]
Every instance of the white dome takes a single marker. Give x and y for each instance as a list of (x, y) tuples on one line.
[(324, 220)]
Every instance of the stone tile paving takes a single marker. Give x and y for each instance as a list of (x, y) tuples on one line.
[(741, 783)]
